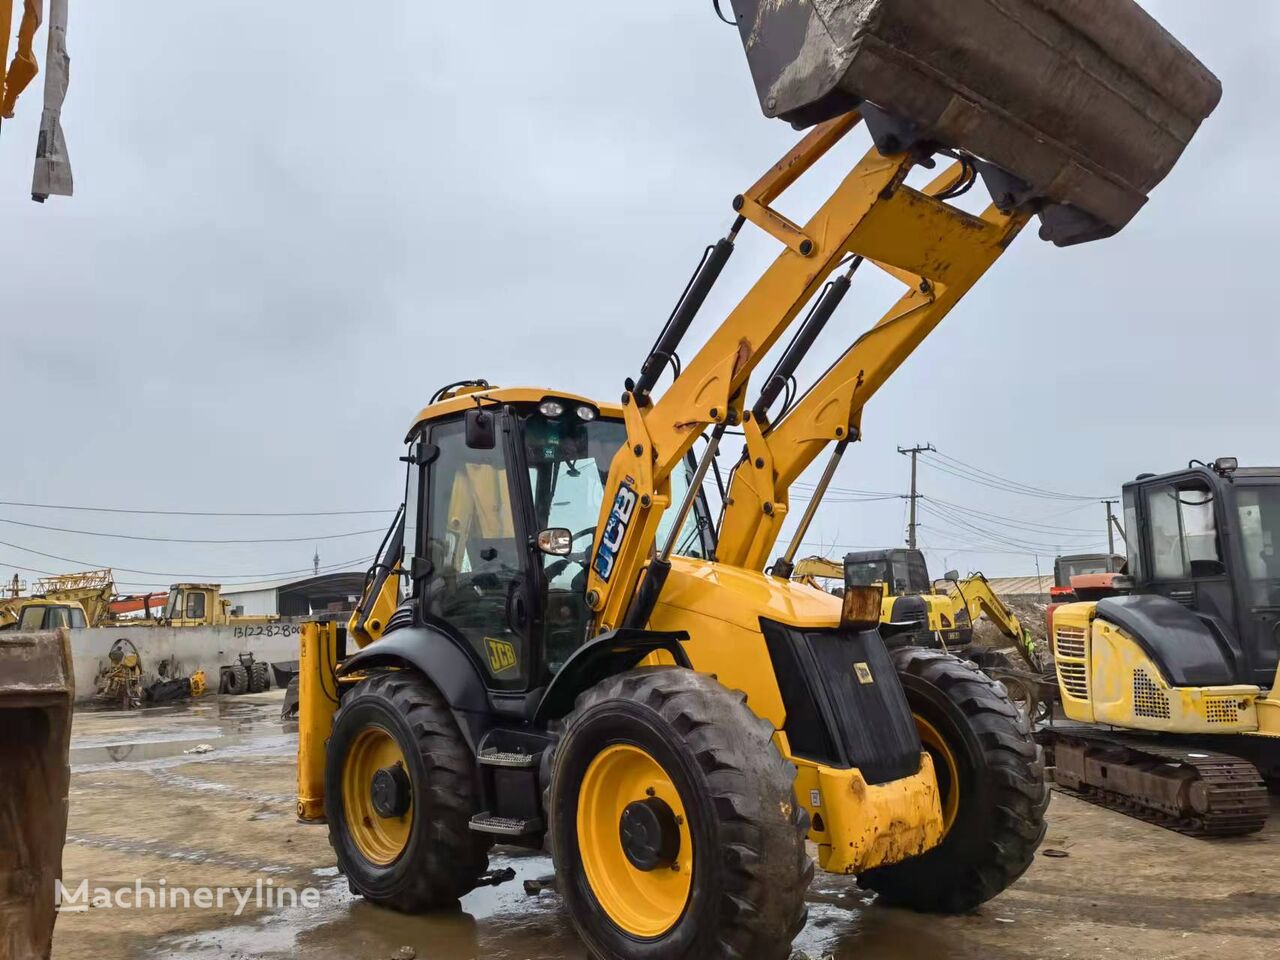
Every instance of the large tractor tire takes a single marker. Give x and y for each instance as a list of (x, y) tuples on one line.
[(237, 681), (259, 676), (991, 777), (399, 793), (674, 824)]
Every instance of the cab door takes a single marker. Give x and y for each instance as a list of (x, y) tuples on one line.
[(476, 581), (1186, 553)]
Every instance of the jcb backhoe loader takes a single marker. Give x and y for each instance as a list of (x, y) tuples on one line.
[(1174, 687), (559, 644)]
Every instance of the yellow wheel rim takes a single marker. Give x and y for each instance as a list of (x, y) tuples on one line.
[(945, 766), (644, 903), (379, 839)]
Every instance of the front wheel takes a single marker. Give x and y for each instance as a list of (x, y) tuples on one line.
[(674, 824), (991, 780)]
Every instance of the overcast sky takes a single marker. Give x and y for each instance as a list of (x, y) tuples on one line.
[(293, 222)]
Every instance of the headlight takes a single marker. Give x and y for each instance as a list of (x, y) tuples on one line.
[(586, 413), (551, 408)]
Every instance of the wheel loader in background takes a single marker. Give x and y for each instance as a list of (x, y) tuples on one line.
[(36, 693), (558, 643), (1172, 689), (915, 611)]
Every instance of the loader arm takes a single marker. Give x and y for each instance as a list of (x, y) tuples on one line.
[(939, 252), (711, 386)]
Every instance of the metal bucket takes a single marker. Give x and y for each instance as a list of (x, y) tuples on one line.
[(1089, 102), (36, 693)]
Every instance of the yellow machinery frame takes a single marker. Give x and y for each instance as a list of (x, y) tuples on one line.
[(937, 250)]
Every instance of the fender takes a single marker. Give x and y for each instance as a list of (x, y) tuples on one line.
[(438, 657), (612, 652)]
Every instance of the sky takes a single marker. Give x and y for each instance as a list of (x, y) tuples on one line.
[(293, 223)]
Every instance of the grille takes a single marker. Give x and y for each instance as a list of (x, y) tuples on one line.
[(1222, 710), (1075, 679), (1148, 699), (1069, 642)]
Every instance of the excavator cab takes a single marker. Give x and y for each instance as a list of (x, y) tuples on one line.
[(1207, 539)]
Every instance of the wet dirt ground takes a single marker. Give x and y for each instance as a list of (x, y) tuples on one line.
[(144, 809)]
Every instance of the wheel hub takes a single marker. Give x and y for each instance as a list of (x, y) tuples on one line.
[(390, 791), (650, 834)]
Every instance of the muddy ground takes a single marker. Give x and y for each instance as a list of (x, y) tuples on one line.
[(142, 807)]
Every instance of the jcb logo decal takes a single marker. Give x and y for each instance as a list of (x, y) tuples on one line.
[(863, 672), (502, 655), (615, 528)]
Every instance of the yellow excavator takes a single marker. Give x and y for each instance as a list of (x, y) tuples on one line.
[(1171, 686), (916, 611), (560, 644)]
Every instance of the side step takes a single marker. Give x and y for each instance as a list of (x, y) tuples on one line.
[(505, 826), (1180, 786)]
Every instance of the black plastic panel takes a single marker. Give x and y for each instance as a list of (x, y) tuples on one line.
[(1187, 652), (845, 706)]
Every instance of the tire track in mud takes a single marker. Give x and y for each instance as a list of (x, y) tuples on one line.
[(195, 856)]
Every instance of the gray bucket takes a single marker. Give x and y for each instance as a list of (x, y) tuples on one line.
[(1089, 102)]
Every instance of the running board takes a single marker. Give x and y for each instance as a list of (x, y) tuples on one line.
[(505, 826)]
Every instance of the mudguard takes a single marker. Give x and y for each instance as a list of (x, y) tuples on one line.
[(610, 653), (439, 658)]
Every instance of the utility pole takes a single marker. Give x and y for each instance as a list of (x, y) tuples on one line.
[(915, 452), (315, 562), (1111, 535)]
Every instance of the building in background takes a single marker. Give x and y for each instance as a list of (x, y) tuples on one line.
[(307, 597)]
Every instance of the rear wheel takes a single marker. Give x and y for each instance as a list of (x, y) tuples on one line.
[(991, 777), (674, 824), (399, 793)]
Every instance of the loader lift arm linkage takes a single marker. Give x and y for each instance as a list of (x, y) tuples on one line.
[(937, 250)]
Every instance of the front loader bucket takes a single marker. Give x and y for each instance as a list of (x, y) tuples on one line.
[(1088, 102), (36, 693)]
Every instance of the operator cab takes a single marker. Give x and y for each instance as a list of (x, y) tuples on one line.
[(1208, 537), (503, 493), (903, 570), (46, 615)]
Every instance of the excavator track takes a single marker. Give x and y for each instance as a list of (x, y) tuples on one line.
[(1179, 786)]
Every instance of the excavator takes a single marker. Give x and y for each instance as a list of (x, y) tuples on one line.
[(559, 643), (916, 611), (1171, 686)]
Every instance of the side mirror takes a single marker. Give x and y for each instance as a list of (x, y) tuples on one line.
[(861, 608), (481, 433), (556, 541), (951, 575)]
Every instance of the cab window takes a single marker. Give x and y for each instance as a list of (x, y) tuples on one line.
[(195, 605), (77, 618), (1259, 509), (32, 619), (866, 572), (1184, 534)]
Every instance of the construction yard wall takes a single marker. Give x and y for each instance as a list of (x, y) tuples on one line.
[(180, 651)]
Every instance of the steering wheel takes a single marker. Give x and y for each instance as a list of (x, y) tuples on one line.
[(554, 570)]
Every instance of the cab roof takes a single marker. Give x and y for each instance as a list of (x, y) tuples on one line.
[(498, 396)]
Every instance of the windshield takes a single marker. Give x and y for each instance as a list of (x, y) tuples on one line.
[(864, 573), (171, 608), (569, 462), (32, 618), (1076, 568)]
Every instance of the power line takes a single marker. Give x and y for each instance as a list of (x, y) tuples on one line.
[(131, 536), (1034, 526), (158, 573), (195, 513), (966, 471)]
